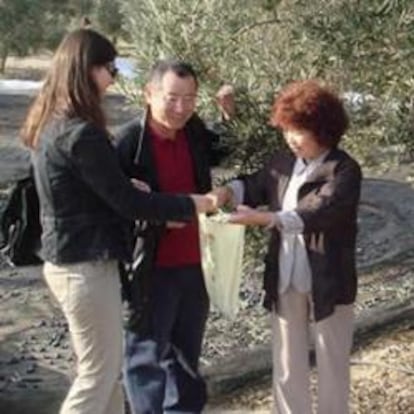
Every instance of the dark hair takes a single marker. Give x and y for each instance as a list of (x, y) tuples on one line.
[(306, 105), (180, 68), (69, 89)]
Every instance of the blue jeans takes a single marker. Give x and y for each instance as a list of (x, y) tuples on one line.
[(161, 369)]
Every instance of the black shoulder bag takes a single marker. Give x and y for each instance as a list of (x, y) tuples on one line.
[(20, 225)]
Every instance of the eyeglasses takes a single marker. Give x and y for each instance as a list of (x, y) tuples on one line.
[(112, 69), (186, 101)]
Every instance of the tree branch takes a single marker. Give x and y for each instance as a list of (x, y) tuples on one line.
[(252, 26)]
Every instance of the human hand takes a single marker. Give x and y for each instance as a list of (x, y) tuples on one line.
[(140, 185), (250, 216), (226, 102), (205, 203), (224, 195)]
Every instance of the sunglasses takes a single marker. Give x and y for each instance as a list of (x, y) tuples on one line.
[(112, 69)]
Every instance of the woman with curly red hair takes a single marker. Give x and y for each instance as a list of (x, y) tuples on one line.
[(310, 278)]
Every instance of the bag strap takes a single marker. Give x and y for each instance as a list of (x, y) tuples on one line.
[(140, 140), (140, 225)]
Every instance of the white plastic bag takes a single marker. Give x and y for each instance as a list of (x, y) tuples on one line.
[(222, 246)]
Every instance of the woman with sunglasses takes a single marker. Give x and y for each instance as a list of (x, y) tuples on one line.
[(86, 201)]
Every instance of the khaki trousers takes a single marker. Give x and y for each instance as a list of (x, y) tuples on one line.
[(89, 295), (291, 368)]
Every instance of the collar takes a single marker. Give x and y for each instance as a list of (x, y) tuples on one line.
[(301, 164)]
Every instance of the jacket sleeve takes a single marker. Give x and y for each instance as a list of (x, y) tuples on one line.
[(126, 139), (337, 199), (255, 188), (95, 161)]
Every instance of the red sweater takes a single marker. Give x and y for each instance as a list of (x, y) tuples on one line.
[(175, 172)]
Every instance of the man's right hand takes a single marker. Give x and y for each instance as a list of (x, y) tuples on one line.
[(225, 101)]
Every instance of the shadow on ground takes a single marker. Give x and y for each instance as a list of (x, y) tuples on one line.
[(26, 388)]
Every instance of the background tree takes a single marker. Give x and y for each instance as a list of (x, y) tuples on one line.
[(365, 49), (24, 26), (27, 26), (220, 41), (109, 18), (80, 8)]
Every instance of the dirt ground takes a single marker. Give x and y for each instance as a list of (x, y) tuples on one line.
[(36, 362)]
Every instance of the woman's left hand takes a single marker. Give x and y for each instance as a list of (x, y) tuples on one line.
[(250, 216)]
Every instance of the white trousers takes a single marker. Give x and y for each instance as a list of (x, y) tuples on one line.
[(89, 295), (291, 368)]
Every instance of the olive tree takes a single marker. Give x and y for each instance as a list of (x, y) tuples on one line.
[(223, 43), (22, 26), (364, 49), (109, 18)]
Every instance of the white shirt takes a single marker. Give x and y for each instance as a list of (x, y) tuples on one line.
[(294, 268)]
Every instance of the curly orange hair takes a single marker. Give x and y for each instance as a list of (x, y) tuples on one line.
[(308, 106)]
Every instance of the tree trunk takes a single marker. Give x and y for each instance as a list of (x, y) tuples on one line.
[(3, 58)]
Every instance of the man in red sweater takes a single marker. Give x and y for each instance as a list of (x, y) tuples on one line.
[(170, 149)]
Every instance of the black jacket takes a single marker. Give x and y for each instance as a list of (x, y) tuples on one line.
[(204, 145), (327, 204), (86, 199)]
